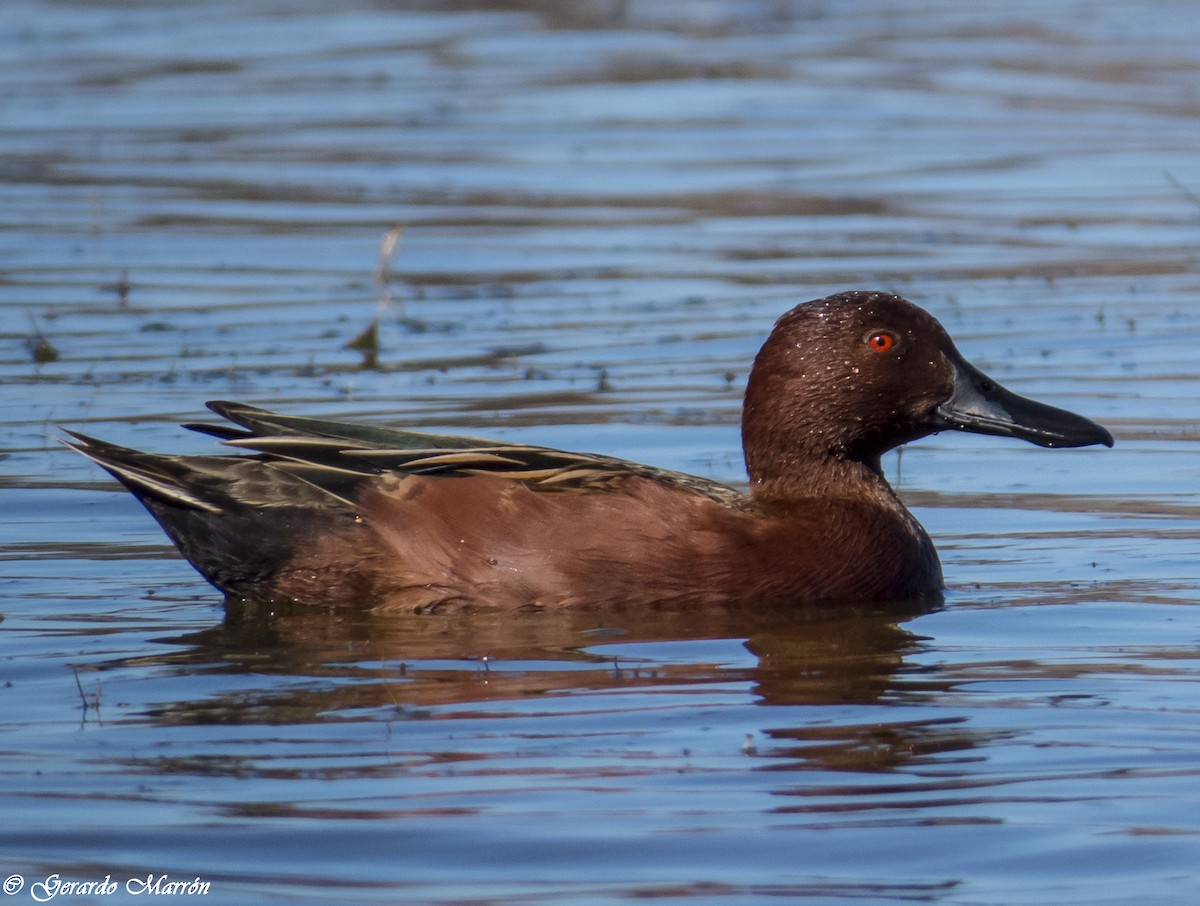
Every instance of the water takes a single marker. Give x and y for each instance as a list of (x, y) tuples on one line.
[(602, 206)]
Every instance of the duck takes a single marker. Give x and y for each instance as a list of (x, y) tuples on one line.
[(309, 511)]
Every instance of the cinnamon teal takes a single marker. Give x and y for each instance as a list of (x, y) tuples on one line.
[(334, 513)]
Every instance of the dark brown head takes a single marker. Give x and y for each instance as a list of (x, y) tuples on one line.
[(851, 376)]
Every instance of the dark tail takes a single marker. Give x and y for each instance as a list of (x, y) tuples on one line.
[(238, 519), (167, 479)]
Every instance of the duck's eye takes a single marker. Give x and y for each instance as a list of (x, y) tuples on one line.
[(882, 340)]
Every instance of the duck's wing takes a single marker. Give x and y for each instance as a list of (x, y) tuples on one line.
[(255, 422), (309, 444)]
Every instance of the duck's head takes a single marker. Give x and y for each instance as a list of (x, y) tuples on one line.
[(853, 375)]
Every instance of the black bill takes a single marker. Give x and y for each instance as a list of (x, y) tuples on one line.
[(981, 406)]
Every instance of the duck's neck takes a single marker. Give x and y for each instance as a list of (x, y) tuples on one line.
[(798, 479)]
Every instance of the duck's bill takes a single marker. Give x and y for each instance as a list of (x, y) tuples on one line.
[(981, 406)]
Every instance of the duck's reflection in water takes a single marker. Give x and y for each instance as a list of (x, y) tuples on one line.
[(843, 693), (411, 661)]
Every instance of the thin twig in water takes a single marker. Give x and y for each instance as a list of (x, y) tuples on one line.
[(383, 270), (1188, 193), (94, 702)]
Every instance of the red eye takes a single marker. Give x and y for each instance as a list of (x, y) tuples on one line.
[(881, 340)]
